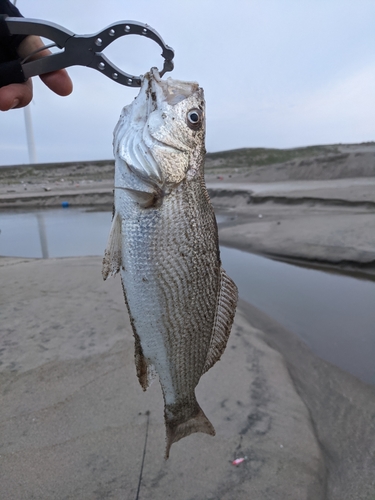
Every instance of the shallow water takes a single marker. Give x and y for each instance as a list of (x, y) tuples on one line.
[(54, 232), (334, 314)]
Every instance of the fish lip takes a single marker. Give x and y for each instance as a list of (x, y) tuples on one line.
[(157, 90), (154, 72)]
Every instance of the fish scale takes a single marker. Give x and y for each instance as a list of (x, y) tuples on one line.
[(164, 243), (162, 269)]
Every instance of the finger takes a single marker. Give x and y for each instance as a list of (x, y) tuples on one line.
[(58, 81), (16, 95)]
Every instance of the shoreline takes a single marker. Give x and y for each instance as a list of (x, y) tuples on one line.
[(320, 224), (353, 269)]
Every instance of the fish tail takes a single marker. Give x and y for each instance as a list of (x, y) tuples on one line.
[(197, 423)]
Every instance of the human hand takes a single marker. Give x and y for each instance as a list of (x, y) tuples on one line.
[(18, 95)]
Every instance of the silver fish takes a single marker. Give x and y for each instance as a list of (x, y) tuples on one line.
[(164, 242)]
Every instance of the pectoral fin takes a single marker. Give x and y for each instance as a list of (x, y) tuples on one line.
[(226, 308), (112, 254), (145, 199)]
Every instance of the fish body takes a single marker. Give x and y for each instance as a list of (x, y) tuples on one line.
[(164, 242)]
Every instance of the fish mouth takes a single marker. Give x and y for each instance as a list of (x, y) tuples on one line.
[(170, 91)]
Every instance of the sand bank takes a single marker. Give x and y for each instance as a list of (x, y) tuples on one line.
[(73, 417), (325, 223)]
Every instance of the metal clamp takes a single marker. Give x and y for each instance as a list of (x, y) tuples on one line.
[(83, 50)]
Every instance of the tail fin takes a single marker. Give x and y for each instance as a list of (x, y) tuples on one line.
[(198, 423)]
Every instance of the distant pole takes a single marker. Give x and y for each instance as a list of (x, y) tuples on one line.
[(29, 129)]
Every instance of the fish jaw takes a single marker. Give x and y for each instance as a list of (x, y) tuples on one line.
[(134, 161)]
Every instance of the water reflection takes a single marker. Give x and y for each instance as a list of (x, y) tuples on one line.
[(42, 235), (54, 232)]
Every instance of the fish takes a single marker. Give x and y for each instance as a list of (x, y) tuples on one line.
[(164, 242)]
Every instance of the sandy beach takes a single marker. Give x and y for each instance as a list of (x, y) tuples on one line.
[(74, 420)]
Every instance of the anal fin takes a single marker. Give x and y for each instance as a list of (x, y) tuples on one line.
[(145, 371), (112, 254), (225, 311)]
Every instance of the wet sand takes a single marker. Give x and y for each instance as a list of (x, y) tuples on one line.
[(329, 223), (74, 419)]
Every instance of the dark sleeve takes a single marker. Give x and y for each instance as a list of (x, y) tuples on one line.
[(9, 44)]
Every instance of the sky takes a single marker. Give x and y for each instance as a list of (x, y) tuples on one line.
[(276, 73)]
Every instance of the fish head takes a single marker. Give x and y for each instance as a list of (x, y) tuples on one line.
[(160, 137)]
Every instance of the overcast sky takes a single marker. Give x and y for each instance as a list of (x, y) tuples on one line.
[(276, 73)]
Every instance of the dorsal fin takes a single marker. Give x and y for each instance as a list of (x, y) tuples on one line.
[(226, 308)]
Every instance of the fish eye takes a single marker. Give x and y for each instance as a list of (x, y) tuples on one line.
[(194, 118)]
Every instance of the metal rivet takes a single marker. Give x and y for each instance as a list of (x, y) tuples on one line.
[(130, 81), (115, 76), (144, 31), (101, 66), (127, 28), (98, 42), (112, 32)]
